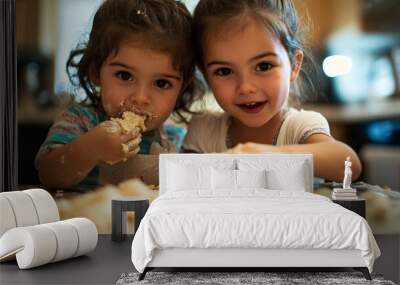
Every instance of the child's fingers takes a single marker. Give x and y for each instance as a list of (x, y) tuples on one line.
[(110, 127), (133, 152), (130, 146), (131, 136)]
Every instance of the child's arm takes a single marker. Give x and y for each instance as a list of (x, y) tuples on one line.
[(328, 153), (68, 165)]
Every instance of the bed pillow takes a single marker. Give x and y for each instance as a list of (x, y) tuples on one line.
[(181, 177), (223, 179), (251, 178), (280, 175), (293, 180)]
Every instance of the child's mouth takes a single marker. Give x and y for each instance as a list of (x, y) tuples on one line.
[(252, 107), (147, 115)]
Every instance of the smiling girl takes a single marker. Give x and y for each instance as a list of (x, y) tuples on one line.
[(138, 58), (251, 55)]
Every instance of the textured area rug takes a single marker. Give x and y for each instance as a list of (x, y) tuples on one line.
[(230, 278)]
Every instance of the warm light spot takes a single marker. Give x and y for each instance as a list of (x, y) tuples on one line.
[(337, 65)]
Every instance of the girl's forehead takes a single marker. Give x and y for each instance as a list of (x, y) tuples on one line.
[(132, 47), (128, 53), (142, 58), (240, 32), (149, 45), (139, 40), (240, 45)]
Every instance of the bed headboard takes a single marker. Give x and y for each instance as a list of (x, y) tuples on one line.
[(298, 166)]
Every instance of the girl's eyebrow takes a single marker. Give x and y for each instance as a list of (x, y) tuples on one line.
[(117, 63), (172, 76), (177, 78), (259, 56), (264, 54)]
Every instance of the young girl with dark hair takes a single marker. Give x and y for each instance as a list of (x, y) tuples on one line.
[(138, 58), (251, 53)]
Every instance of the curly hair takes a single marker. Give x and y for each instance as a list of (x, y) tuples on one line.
[(164, 25)]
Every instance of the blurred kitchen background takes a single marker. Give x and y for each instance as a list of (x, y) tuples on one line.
[(356, 44)]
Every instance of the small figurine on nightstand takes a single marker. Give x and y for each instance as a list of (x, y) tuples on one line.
[(346, 192), (347, 174)]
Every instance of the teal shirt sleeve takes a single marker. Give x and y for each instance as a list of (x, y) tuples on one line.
[(70, 124)]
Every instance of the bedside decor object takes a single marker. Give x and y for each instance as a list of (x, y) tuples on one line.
[(347, 174), (31, 232), (346, 192), (119, 208)]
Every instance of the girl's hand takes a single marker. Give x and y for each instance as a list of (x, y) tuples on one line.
[(112, 145), (253, 148)]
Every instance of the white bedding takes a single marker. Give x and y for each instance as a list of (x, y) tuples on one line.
[(251, 218)]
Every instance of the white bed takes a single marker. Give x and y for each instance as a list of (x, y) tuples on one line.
[(224, 210)]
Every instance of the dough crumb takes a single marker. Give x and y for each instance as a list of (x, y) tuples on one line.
[(130, 121)]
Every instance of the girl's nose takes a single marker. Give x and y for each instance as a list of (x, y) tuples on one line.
[(246, 85), (141, 96)]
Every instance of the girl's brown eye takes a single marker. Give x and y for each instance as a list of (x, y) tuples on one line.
[(263, 66), (162, 84), (124, 75), (223, 71)]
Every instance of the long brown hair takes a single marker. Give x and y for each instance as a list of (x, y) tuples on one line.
[(164, 25), (279, 16)]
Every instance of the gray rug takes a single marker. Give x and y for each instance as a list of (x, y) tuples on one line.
[(230, 278)]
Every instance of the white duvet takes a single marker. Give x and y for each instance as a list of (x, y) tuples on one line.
[(252, 218)]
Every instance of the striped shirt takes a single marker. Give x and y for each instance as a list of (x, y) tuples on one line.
[(74, 122)]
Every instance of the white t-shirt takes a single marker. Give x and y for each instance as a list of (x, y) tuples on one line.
[(207, 132)]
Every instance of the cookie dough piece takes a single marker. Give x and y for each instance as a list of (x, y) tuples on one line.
[(130, 121)]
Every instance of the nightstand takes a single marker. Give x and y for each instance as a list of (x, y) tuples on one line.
[(119, 208), (357, 206)]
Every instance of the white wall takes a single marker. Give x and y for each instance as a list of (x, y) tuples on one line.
[(190, 4), (74, 22)]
